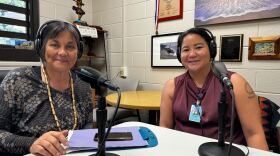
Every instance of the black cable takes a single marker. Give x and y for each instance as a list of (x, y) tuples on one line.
[(200, 115), (201, 127), (111, 123), (231, 120), (202, 132)]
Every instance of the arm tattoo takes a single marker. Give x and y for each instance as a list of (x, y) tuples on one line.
[(249, 90)]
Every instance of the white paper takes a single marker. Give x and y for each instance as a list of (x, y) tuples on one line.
[(88, 31)]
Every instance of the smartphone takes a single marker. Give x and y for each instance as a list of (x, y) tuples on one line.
[(116, 136)]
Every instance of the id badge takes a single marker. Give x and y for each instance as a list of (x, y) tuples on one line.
[(195, 113)]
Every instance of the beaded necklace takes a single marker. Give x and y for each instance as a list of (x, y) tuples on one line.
[(51, 101)]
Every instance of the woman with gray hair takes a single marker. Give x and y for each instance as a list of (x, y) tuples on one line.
[(40, 104)]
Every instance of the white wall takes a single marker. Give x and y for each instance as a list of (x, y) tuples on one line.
[(131, 27), (62, 10), (129, 40)]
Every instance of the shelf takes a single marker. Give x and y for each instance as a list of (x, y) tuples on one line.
[(95, 54)]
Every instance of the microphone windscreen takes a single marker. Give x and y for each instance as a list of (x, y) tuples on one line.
[(87, 74), (94, 77), (219, 68), (90, 72)]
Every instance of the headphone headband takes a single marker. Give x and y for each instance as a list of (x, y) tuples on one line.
[(40, 38)]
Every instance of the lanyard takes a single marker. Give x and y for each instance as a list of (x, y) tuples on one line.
[(199, 97)]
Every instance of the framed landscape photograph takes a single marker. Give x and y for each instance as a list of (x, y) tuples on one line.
[(264, 48), (170, 10), (163, 50), (209, 12), (231, 48)]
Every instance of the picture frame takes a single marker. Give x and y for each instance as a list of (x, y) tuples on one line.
[(164, 50), (264, 48), (247, 10), (231, 48), (170, 10)]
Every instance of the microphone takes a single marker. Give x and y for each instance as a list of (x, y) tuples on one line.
[(221, 148), (94, 77), (221, 71)]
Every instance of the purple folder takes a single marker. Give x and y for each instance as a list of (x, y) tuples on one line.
[(83, 139)]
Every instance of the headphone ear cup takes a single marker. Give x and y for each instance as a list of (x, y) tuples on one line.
[(212, 44), (81, 42), (38, 46), (178, 54), (179, 44), (81, 49), (213, 48)]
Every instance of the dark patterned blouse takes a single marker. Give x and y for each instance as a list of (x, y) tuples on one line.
[(25, 112)]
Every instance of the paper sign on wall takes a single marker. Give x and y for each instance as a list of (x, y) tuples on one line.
[(87, 31)]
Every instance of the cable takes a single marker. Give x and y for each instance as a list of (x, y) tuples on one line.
[(201, 127), (232, 123), (200, 115), (111, 123), (115, 76), (231, 120)]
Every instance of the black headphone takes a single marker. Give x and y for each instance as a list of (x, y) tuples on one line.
[(212, 43), (38, 41)]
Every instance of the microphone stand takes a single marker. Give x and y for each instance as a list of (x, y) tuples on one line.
[(101, 119), (220, 148), (221, 121)]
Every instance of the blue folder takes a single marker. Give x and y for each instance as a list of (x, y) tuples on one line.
[(83, 139)]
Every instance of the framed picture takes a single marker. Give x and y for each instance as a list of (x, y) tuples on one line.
[(231, 48), (234, 11), (170, 10), (264, 48), (163, 52)]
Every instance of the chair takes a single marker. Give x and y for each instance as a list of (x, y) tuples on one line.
[(128, 85), (123, 114), (270, 118)]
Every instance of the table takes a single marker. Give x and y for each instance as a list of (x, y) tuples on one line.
[(146, 100), (171, 142)]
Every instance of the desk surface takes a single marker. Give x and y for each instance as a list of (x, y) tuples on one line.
[(149, 100), (171, 142)]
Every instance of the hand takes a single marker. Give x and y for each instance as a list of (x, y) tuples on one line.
[(49, 144)]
